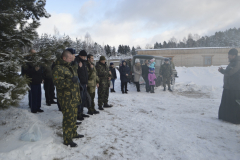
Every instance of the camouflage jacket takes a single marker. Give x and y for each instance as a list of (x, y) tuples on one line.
[(92, 77), (67, 92), (103, 72), (166, 70)]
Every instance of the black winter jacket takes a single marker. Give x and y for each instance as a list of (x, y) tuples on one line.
[(82, 72), (35, 76), (113, 71), (123, 71), (232, 75), (145, 71)]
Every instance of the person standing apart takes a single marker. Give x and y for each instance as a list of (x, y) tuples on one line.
[(137, 70), (229, 109), (66, 80), (104, 83), (93, 82), (114, 75), (124, 73), (166, 73)]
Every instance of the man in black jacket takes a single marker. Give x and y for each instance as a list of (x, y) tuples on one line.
[(83, 77), (114, 75), (35, 74)]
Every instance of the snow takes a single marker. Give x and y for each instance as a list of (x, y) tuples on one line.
[(163, 125)]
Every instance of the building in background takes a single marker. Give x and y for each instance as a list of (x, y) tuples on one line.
[(190, 57)]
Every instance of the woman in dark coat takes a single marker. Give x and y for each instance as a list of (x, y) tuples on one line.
[(124, 73), (229, 109)]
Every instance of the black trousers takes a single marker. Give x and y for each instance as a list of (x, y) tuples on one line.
[(124, 86), (36, 96), (49, 90), (147, 84), (137, 86)]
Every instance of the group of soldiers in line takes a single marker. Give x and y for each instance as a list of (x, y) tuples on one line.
[(75, 79)]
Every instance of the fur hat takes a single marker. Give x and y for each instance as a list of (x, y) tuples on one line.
[(137, 61), (233, 51), (102, 58), (82, 53)]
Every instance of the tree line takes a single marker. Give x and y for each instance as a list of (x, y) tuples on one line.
[(228, 38)]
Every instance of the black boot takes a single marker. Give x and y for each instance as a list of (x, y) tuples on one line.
[(80, 118), (111, 90), (169, 89), (78, 123), (84, 115), (90, 112), (100, 108), (123, 92), (53, 102), (96, 112), (107, 106), (48, 104), (72, 144), (114, 90), (78, 136), (164, 89)]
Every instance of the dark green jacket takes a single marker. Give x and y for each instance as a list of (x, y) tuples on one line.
[(165, 70), (68, 93), (103, 72)]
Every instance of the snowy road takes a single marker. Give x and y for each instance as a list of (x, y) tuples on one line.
[(182, 125)]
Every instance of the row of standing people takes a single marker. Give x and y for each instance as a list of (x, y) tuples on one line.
[(76, 81), (147, 71)]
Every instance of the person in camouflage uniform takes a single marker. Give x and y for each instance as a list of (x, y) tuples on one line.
[(104, 76), (93, 81), (166, 73), (68, 93)]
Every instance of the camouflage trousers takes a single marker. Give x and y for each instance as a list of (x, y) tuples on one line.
[(103, 93), (92, 95), (166, 80), (69, 122)]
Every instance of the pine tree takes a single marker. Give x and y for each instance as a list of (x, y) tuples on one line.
[(18, 22)]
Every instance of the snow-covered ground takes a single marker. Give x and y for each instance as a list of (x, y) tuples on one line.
[(164, 125)]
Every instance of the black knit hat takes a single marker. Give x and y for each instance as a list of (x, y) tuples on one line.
[(71, 50), (82, 53), (233, 51)]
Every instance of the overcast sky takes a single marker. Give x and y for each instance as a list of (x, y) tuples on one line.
[(139, 22)]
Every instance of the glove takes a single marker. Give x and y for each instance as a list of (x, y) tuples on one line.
[(75, 79)]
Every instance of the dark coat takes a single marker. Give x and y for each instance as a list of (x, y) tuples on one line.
[(113, 71), (35, 76), (82, 72), (145, 71), (47, 71), (123, 71), (232, 75)]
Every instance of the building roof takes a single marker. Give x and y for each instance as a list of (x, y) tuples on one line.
[(184, 48)]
